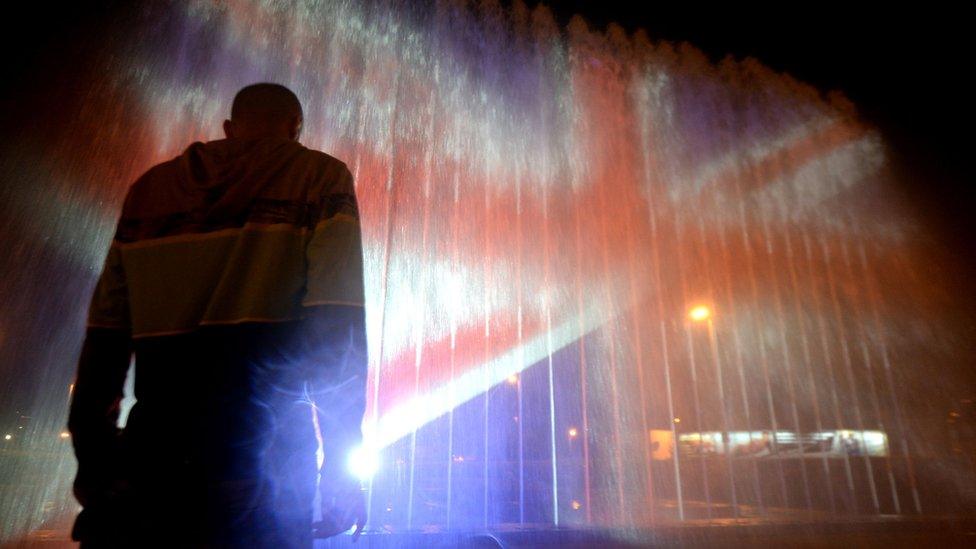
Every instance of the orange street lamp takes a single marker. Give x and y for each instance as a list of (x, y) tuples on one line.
[(700, 313)]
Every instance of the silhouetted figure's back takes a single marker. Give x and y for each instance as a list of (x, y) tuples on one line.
[(235, 278)]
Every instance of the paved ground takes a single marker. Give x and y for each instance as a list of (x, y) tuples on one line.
[(935, 533)]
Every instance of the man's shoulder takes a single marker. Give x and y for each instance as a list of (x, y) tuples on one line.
[(154, 179), (325, 160), (158, 173)]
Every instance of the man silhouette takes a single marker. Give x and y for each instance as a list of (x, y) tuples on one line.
[(235, 279)]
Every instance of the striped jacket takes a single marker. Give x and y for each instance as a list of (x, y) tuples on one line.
[(232, 232)]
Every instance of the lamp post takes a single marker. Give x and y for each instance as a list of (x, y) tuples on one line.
[(702, 314)]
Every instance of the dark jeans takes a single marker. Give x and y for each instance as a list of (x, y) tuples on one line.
[(219, 450)]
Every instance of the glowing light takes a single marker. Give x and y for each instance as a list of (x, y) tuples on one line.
[(8, 437), (363, 462), (700, 313), (573, 433), (410, 414), (65, 434), (513, 379), (576, 505), (677, 420)]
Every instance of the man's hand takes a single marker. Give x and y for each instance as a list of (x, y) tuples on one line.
[(347, 509)]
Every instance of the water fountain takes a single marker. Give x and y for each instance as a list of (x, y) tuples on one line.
[(610, 283)]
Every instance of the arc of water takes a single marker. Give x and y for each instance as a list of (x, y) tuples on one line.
[(696, 396), (639, 353), (720, 378), (848, 368), (583, 367), (740, 366), (822, 331), (875, 401), (549, 365), (487, 339), (456, 263), (886, 362), (787, 360), (421, 321), (737, 345), (763, 358), (808, 365), (665, 354), (521, 350), (390, 213), (611, 315), (650, 169)]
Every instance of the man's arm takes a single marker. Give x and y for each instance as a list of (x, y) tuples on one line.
[(98, 387), (335, 329), (338, 384)]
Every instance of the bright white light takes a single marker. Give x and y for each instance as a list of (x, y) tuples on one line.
[(363, 462), (8, 437), (409, 415)]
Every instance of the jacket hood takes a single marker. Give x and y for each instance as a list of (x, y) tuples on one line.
[(231, 172)]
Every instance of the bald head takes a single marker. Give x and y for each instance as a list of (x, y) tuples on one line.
[(264, 110)]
